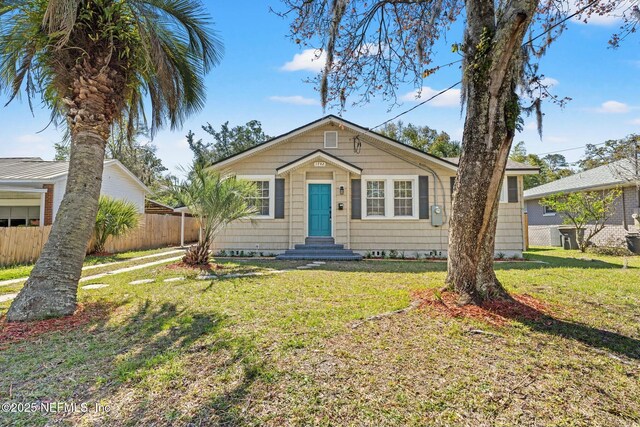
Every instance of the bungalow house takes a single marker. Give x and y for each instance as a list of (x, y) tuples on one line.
[(31, 189), (544, 222), (336, 190)]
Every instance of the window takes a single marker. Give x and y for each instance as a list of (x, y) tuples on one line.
[(261, 201), (375, 198), (390, 197), (548, 211), (403, 198), (264, 202), (331, 139)]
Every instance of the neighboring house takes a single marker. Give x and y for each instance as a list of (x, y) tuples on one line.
[(543, 223), (31, 189), (335, 181)]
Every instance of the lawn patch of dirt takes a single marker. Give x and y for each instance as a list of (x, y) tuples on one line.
[(497, 313), (12, 332)]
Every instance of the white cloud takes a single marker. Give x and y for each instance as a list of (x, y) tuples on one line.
[(531, 126), (450, 98), (549, 82), (609, 19), (30, 138), (308, 60), (635, 121), (182, 143), (295, 100), (613, 107)]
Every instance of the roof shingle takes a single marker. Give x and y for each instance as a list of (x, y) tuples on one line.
[(601, 177)]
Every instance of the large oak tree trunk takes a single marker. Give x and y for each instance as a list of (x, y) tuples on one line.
[(52, 286), (492, 67)]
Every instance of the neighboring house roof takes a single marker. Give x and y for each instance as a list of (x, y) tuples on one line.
[(34, 169), (605, 176), (323, 155), (511, 165)]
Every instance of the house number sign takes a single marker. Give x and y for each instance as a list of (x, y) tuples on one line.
[(319, 164)]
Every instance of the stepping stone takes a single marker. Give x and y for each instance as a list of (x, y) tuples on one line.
[(312, 265), (141, 281), (174, 279), (95, 286), (207, 277), (7, 297), (304, 267), (232, 275), (318, 262)]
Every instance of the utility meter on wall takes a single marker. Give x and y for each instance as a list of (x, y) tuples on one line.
[(436, 216)]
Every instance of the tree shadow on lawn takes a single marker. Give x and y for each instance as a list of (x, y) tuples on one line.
[(166, 335), (539, 321), (535, 262), (140, 367)]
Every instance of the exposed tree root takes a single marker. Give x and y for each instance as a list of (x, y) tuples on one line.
[(414, 304)]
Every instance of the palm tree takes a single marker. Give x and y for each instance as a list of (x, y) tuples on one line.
[(98, 64), (115, 218), (215, 200)]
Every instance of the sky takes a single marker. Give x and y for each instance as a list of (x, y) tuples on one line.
[(262, 77)]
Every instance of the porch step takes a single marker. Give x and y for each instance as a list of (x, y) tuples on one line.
[(320, 249), (353, 257), (319, 241)]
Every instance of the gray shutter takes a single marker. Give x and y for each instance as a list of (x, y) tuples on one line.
[(356, 199), (452, 181), (512, 189), (279, 209), (423, 193)]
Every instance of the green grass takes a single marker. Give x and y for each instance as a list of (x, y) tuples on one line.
[(281, 350), (18, 271)]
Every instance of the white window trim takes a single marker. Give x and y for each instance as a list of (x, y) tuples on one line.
[(504, 191), (325, 138), (389, 207), (545, 213), (272, 195)]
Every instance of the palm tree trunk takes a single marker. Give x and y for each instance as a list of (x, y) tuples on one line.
[(52, 286)]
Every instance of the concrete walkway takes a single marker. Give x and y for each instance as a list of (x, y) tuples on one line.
[(92, 267)]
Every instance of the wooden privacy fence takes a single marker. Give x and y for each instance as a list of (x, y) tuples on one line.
[(24, 244)]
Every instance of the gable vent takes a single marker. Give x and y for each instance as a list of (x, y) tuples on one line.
[(331, 139)]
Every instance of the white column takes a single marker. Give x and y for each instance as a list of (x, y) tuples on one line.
[(182, 230), (42, 202)]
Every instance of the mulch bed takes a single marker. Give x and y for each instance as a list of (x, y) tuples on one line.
[(21, 331), (497, 313), (199, 268)]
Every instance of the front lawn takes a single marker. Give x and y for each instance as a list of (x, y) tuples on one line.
[(281, 349), (23, 270)]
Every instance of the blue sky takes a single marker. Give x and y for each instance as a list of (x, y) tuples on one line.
[(261, 78)]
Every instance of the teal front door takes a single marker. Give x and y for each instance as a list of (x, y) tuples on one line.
[(320, 210)]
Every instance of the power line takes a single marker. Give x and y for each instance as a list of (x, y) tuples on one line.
[(548, 30), (568, 149), (418, 105)]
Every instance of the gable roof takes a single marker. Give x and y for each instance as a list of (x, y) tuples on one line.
[(596, 178), (34, 169), (319, 154), (345, 123)]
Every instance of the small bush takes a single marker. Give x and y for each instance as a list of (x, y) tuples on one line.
[(610, 251)]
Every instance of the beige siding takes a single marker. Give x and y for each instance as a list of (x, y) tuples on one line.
[(374, 158)]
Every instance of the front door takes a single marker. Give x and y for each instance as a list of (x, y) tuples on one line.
[(320, 210)]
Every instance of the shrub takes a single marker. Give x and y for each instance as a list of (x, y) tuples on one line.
[(115, 218)]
